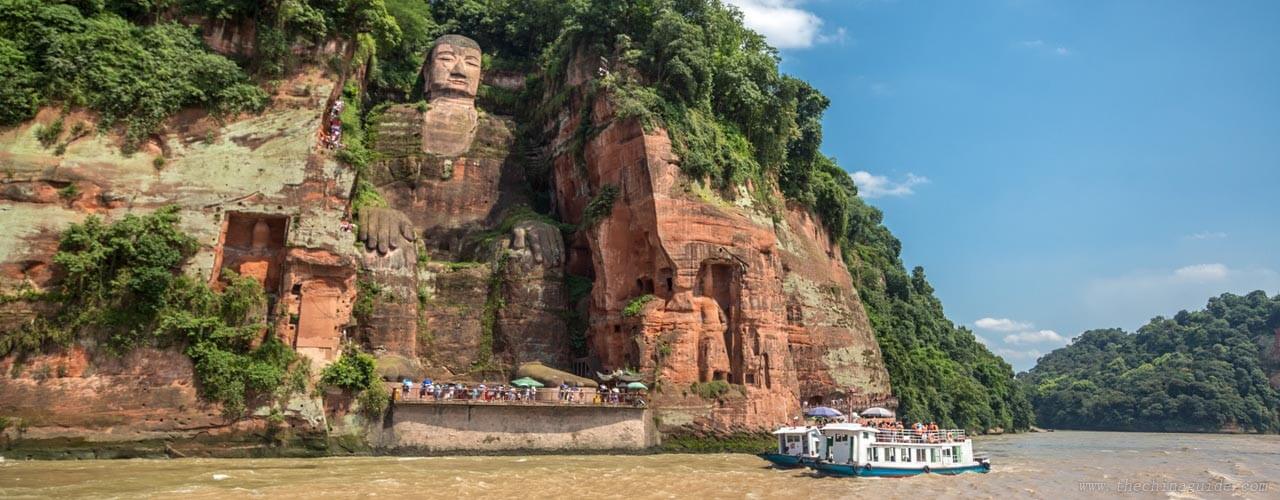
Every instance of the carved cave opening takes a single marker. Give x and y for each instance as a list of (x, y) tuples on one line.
[(253, 245)]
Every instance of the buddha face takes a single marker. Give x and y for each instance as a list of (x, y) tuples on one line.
[(453, 70)]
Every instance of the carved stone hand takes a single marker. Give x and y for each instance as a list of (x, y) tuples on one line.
[(385, 229)]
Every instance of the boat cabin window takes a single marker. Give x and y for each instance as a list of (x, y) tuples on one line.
[(889, 455), (920, 455), (955, 454), (793, 444), (875, 454), (905, 453), (933, 455)]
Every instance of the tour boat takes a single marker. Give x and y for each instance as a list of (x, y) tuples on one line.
[(848, 449), (796, 446)]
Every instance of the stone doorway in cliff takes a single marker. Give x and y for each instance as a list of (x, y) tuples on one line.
[(720, 281), (319, 322)]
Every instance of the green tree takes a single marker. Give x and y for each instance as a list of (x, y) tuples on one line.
[(1198, 371), (20, 95)]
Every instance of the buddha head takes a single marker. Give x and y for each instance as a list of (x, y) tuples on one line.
[(453, 68)]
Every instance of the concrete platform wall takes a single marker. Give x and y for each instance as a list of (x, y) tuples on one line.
[(494, 428)]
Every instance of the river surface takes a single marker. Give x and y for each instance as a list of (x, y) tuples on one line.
[(1048, 465)]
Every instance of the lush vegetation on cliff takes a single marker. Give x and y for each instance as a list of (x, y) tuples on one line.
[(123, 287), (136, 63), (133, 75), (356, 372), (1197, 371)]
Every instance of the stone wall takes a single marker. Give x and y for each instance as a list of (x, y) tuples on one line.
[(494, 428)]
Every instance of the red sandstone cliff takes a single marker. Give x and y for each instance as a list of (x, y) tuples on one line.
[(766, 305), (761, 302)]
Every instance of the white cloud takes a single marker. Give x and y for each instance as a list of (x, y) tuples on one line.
[(1042, 46), (1207, 235), (876, 186), (1002, 324), (1201, 273), (840, 36), (1130, 300), (1036, 337), (785, 24)]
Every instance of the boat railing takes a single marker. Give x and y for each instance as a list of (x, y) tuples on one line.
[(921, 436)]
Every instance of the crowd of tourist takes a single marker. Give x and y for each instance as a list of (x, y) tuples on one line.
[(480, 392), (565, 393), (896, 431), (333, 134)]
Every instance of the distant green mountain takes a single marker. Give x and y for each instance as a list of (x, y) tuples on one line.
[(1202, 371)]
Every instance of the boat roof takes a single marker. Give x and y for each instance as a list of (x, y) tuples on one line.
[(794, 430), (846, 427)]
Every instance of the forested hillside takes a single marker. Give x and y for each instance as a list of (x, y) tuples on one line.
[(1204, 370), (687, 66)]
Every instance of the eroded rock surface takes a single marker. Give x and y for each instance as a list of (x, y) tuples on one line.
[(765, 306)]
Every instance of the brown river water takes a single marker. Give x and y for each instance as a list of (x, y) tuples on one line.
[(1048, 465)]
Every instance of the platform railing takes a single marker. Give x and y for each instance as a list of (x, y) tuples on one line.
[(913, 436), (514, 396)]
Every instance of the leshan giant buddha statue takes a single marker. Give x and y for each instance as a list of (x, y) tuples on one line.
[(446, 174)]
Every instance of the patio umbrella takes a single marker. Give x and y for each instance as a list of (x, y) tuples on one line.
[(824, 412), (876, 412), (637, 386), (526, 382)]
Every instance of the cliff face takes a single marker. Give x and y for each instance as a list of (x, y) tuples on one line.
[(761, 304), (256, 173), (745, 313)]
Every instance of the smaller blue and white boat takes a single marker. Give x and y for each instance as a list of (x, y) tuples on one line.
[(859, 450), (796, 447)]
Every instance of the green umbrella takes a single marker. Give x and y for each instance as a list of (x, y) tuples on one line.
[(637, 385), (526, 382)]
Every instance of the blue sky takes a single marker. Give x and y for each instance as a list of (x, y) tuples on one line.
[(1056, 166)]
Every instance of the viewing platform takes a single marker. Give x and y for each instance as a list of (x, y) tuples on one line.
[(514, 397)]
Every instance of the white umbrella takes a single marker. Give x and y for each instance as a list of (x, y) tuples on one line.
[(876, 412)]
